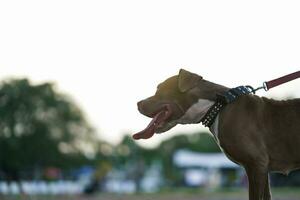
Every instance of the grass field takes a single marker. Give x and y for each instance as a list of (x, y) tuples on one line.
[(240, 194)]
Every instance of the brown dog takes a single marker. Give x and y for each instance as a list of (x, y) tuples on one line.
[(258, 133)]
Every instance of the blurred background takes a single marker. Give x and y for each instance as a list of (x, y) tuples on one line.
[(71, 73)]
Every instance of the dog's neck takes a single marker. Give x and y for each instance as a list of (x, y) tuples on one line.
[(196, 112), (208, 90), (205, 99), (206, 94)]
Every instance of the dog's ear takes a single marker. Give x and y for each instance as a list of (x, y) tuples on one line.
[(187, 80)]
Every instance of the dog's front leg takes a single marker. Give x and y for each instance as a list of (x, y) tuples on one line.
[(258, 178)]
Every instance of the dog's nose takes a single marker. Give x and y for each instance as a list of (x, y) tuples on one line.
[(139, 104)]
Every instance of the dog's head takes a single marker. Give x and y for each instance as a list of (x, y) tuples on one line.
[(181, 99)]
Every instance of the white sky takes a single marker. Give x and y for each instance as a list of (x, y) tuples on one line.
[(109, 54)]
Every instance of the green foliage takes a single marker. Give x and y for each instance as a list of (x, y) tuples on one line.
[(40, 127)]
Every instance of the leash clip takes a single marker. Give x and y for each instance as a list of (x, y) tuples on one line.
[(264, 86)]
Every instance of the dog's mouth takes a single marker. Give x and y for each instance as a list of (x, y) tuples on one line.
[(157, 121)]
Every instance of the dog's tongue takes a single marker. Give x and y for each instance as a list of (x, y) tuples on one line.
[(149, 131)]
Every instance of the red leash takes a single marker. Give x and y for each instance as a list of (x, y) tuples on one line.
[(278, 81), (273, 83)]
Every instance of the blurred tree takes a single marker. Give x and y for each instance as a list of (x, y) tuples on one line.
[(40, 127), (129, 155)]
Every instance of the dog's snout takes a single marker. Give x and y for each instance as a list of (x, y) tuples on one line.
[(140, 105), (149, 106)]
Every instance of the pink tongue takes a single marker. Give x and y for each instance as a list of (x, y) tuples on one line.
[(149, 131)]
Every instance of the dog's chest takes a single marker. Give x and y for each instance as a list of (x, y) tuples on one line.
[(214, 129)]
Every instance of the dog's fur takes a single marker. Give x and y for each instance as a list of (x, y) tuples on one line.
[(258, 133)]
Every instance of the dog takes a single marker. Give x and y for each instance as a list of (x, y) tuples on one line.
[(258, 133)]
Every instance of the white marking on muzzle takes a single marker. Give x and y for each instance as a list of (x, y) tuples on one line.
[(196, 112)]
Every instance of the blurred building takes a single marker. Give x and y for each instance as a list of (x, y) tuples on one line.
[(211, 170)]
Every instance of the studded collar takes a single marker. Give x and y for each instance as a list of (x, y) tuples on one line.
[(222, 100)]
